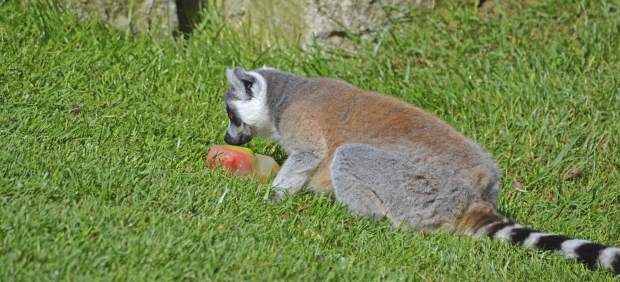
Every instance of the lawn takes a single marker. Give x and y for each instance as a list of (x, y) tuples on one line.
[(103, 138)]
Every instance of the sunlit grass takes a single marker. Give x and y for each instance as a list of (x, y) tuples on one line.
[(102, 140)]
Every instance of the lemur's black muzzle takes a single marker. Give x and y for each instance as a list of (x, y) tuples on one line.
[(237, 140)]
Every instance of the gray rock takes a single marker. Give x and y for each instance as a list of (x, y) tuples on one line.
[(326, 22), (137, 16), (336, 23)]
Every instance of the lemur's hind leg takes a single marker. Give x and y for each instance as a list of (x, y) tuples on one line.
[(377, 183), (359, 197), (352, 179)]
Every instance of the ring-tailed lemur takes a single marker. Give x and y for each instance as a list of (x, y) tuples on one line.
[(382, 157)]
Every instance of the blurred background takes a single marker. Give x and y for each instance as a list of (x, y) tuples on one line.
[(330, 22)]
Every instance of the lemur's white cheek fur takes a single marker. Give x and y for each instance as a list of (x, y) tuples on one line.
[(255, 111)]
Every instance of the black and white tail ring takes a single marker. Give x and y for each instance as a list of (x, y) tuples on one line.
[(593, 255)]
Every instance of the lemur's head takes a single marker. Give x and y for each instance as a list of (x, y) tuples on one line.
[(247, 107)]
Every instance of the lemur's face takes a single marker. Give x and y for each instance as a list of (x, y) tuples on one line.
[(246, 106)]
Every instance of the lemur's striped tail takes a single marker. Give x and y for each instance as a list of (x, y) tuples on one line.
[(482, 221)]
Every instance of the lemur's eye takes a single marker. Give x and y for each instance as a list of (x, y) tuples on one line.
[(247, 83), (232, 117)]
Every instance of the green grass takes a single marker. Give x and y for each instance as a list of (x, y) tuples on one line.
[(119, 191)]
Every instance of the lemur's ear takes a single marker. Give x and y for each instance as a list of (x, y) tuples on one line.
[(241, 81)]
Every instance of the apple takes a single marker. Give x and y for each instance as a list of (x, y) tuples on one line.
[(234, 159), (265, 168), (243, 162)]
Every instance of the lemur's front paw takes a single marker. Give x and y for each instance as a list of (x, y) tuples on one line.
[(282, 189), (277, 195)]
